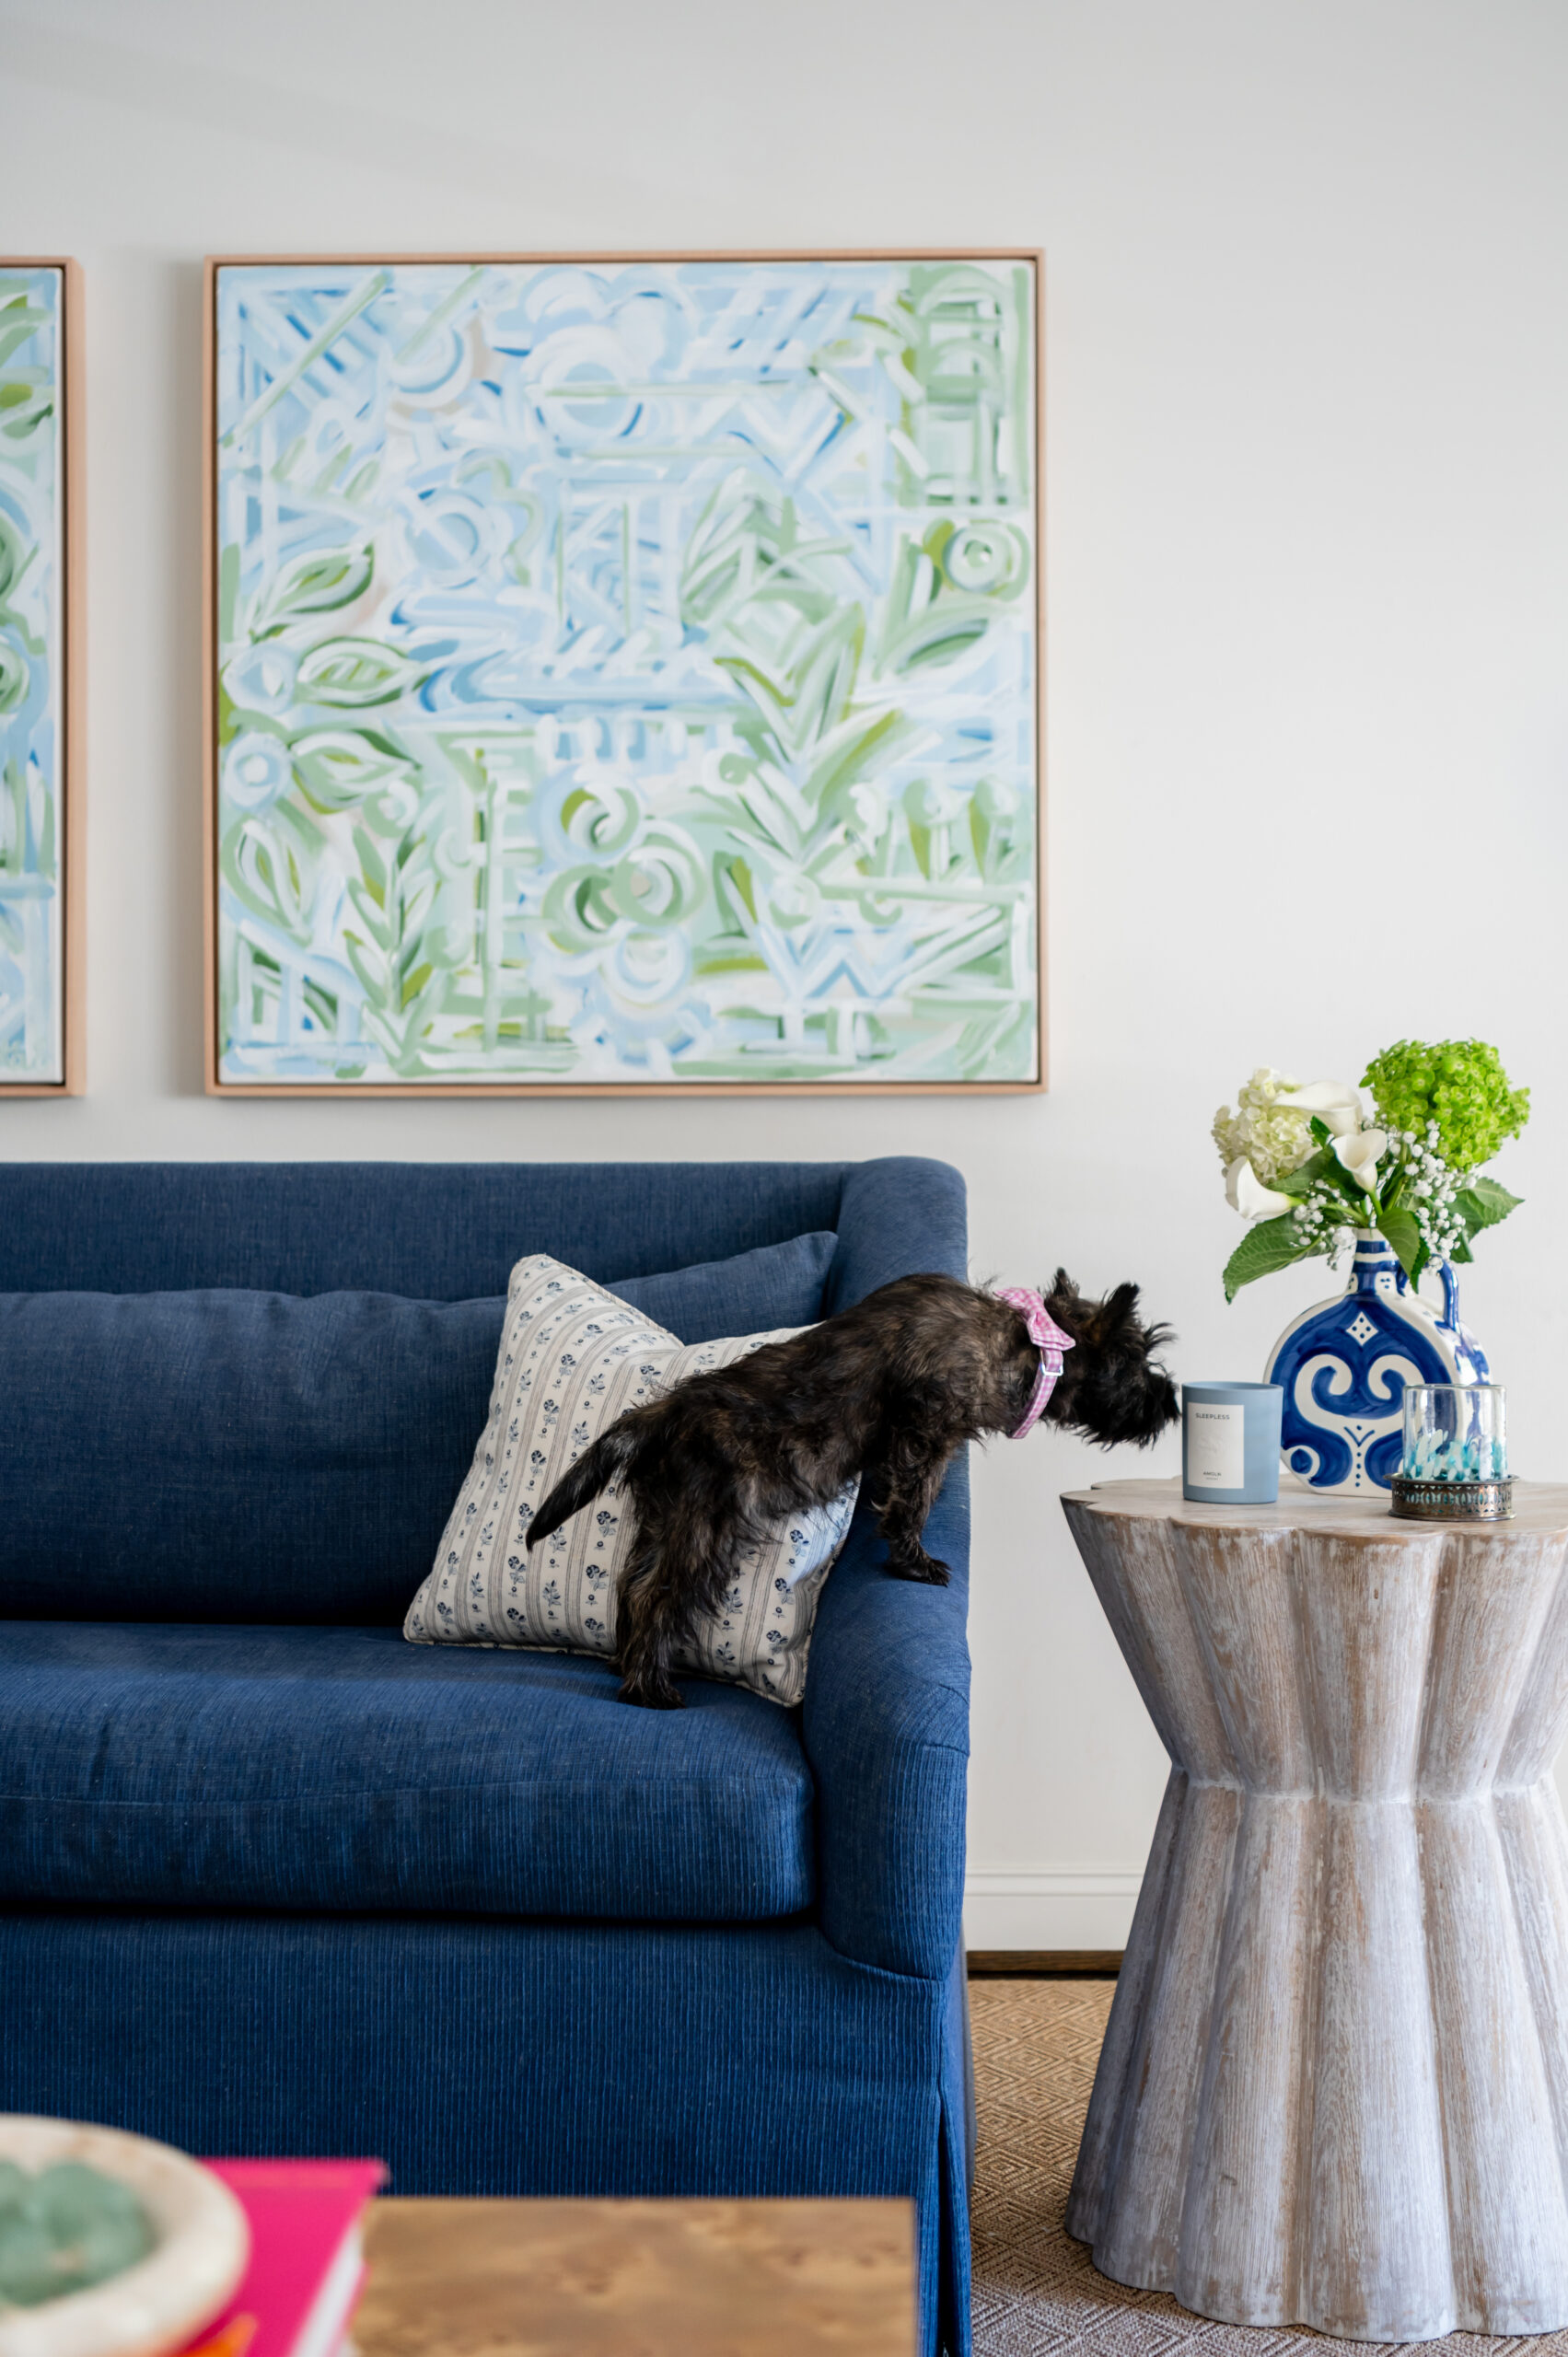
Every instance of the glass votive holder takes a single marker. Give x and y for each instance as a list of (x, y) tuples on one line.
[(1454, 1466)]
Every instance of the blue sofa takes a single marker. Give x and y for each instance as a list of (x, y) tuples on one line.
[(274, 1881)]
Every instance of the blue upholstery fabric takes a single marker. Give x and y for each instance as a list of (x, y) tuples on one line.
[(233, 1456), (452, 1231), (896, 1216), (507, 2058), (431, 1231), (227, 1455), (778, 1284), (885, 1725), (956, 2158), (325, 1769), (886, 1716)]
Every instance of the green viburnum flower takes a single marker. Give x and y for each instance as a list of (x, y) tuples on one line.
[(1457, 1086)]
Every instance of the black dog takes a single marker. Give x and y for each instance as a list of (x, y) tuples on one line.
[(891, 1389)]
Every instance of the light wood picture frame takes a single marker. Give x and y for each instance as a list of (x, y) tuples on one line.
[(622, 674), (42, 680)]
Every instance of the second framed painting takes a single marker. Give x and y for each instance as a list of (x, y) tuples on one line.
[(623, 674)]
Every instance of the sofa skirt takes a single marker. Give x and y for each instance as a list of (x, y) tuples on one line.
[(483, 2056)]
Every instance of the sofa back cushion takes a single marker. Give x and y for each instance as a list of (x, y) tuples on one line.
[(226, 1455), (431, 1231)]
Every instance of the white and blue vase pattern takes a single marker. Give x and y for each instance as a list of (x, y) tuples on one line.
[(1344, 1364)]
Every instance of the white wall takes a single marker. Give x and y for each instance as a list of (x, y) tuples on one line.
[(1307, 558)]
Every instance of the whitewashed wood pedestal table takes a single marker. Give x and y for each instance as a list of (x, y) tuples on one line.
[(1334, 2088)]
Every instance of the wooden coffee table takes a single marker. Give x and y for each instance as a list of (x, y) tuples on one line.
[(636, 2278), (1334, 2088)]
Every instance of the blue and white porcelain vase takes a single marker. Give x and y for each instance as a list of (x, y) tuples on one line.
[(1343, 1367)]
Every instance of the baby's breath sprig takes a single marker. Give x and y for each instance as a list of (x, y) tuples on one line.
[(1428, 1189), (1323, 1223)]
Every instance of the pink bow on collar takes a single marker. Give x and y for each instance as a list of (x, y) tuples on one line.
[(1052, 1342)]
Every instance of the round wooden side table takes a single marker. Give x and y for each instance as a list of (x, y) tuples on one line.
[(1334, 2088)]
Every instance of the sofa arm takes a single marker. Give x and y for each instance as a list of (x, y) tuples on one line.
[(886, 1718), (898, 1216), (885, 1726)]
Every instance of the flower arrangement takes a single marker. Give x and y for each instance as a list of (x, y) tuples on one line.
[(1308, 1167)]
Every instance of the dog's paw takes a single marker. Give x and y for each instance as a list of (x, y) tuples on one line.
[(928, 1568)]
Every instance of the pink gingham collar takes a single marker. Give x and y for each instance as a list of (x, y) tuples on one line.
[(1052, 1342)]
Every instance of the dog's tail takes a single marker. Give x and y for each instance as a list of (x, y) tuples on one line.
[(614, 1453)]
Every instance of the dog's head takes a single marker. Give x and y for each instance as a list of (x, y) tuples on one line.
[(1111, 1387)]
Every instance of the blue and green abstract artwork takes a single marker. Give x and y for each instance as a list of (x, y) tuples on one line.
[(32, 1047), (626, 673)]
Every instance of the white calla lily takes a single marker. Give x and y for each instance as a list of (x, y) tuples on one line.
[(1336, 1104), (1361, 1155), (1245, 1193)]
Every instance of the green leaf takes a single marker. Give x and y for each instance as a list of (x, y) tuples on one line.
[(13, 675), (372, 916), (315, 584), (21, 321), (852, 755), (1325, 1168), (1302, 1181), (356, 671), (267, 862), (337, 766), (1272, 1244), (24, 421), (1399, 1228), (940, 639), (367, 964), (24, 405), (13, 560), (1461, 1251), (372, 866), (1484, 1203), (737, 874)]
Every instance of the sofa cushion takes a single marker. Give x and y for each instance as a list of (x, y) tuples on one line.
[(431, 1231), (781, 1284), (238, 1456), (317, 1767)]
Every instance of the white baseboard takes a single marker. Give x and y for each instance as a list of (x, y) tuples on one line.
[(1009, 1907)]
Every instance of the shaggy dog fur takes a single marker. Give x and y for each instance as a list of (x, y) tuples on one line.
[(891, 1389)]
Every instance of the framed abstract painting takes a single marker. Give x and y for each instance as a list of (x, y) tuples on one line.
[(623, 674), (41, 946)]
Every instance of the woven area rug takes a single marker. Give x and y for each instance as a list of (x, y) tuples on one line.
[(1035, 2043)]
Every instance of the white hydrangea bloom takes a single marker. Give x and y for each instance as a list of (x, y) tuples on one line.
[(1271, 1132)]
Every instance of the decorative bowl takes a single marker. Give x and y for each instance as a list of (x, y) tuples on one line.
[(203, 2248)]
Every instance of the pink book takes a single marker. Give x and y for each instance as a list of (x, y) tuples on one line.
[(307, 2264)]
